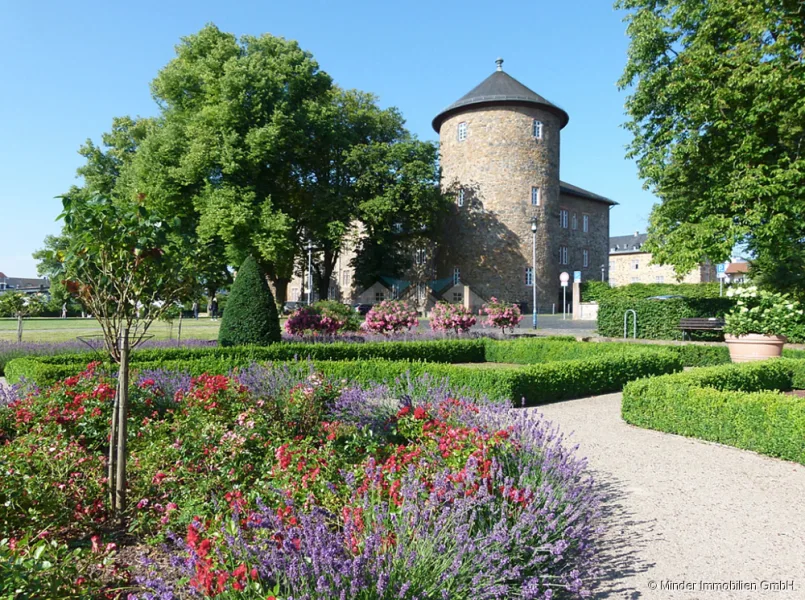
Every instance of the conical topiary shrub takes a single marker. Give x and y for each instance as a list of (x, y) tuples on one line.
[(250, 316)]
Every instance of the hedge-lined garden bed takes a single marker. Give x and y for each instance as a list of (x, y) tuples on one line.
[(737, 405), (552, 369)]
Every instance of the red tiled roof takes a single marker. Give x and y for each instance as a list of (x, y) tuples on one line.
[(737, 267)]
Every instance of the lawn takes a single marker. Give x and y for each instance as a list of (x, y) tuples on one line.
[(64, 330)]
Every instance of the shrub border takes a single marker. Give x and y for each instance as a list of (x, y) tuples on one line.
[(738, 405)]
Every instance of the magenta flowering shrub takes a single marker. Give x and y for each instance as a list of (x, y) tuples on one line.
[(451, 317), (502, 314), (308, 320), (391, 317)]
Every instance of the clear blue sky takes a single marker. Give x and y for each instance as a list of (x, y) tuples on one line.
[(67, 68)]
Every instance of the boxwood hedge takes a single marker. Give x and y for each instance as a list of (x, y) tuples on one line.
[(570, 375), (738, 405)]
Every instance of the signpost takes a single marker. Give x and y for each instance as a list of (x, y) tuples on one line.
[(563, 279), (721, 273)]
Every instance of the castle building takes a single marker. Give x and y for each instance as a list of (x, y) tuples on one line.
[(500, 161)]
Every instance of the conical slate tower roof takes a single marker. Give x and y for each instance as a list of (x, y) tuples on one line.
[(499, 88)]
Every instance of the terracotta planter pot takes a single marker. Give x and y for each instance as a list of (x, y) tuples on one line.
[(754, 346)]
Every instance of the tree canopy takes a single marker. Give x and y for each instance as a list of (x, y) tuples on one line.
[(717, 109)]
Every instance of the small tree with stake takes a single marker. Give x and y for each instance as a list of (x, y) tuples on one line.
[(16, 304), (128, 265)]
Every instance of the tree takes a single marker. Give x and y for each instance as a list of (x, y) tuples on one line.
[(128, 265), (251, 314), (345, 123), (401, 205), (718, 116), (233, 135), (17, 304)]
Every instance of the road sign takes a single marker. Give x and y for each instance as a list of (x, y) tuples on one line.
[(721, 275), (564, 278), (576, 276), (721, 267)]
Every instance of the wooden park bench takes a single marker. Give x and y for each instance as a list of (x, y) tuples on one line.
[(701, 324)]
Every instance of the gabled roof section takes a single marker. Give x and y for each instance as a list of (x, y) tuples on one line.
[(574, 190), (499, 88), (622, 244)]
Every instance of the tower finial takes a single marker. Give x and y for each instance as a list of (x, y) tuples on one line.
[(499, 63)]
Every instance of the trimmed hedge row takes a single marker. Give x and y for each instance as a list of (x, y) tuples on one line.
[(522, 351), (658, 319), (738, 405), (534, 384)]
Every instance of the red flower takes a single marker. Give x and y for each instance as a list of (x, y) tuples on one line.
[(420, 413), (403, 411), (204, 548)]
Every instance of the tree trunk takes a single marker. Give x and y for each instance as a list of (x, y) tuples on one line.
[(325, 273), (112, 465), (179, 336), (19, 329), (123, 391), (280, 286)]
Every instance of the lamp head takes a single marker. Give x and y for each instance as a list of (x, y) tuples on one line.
[(534, 221)]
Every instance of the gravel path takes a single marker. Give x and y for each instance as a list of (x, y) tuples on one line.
[(688, 512)]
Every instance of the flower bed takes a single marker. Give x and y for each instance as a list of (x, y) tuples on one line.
[(275, 482), (738, 405)]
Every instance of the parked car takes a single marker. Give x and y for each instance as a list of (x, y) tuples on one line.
[(362, 309), (289, 307), (666, 297)]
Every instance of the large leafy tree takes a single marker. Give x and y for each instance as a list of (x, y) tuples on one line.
[(717, 111), (235, 116), (346, 123), (401, 205)]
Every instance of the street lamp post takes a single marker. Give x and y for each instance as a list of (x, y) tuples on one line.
[(309, 270), (534, 271)]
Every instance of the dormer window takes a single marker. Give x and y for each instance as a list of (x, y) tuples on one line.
[(462, 131), (536, 129), (535, 196)]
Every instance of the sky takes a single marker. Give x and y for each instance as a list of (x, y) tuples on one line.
[(68, 68)]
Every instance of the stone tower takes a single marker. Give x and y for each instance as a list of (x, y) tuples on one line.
[(500, 162)]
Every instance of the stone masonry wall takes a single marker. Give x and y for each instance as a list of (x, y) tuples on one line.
[(634, 267)]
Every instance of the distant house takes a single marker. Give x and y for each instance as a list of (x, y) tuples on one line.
[(629, 263), (23, 284), (737, 272)]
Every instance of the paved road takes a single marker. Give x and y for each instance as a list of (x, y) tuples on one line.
[(687, 511)]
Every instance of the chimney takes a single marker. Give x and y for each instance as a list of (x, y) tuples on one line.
[(636, 233)]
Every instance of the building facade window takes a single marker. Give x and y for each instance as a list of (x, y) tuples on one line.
[(456, 275), (585, 223), (535, 196), (563, 217), (574, 222), (420, 291), (460, 199), (458, 297), (529, 276), (295, 294), (563, 255), (344, 278), (421, 256), (536, 129), (379, 297), (586, 258), (462, 131), (635, 264), (660, 279), (635, 280)]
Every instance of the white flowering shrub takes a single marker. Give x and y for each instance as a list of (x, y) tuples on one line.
[(763, 312)]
